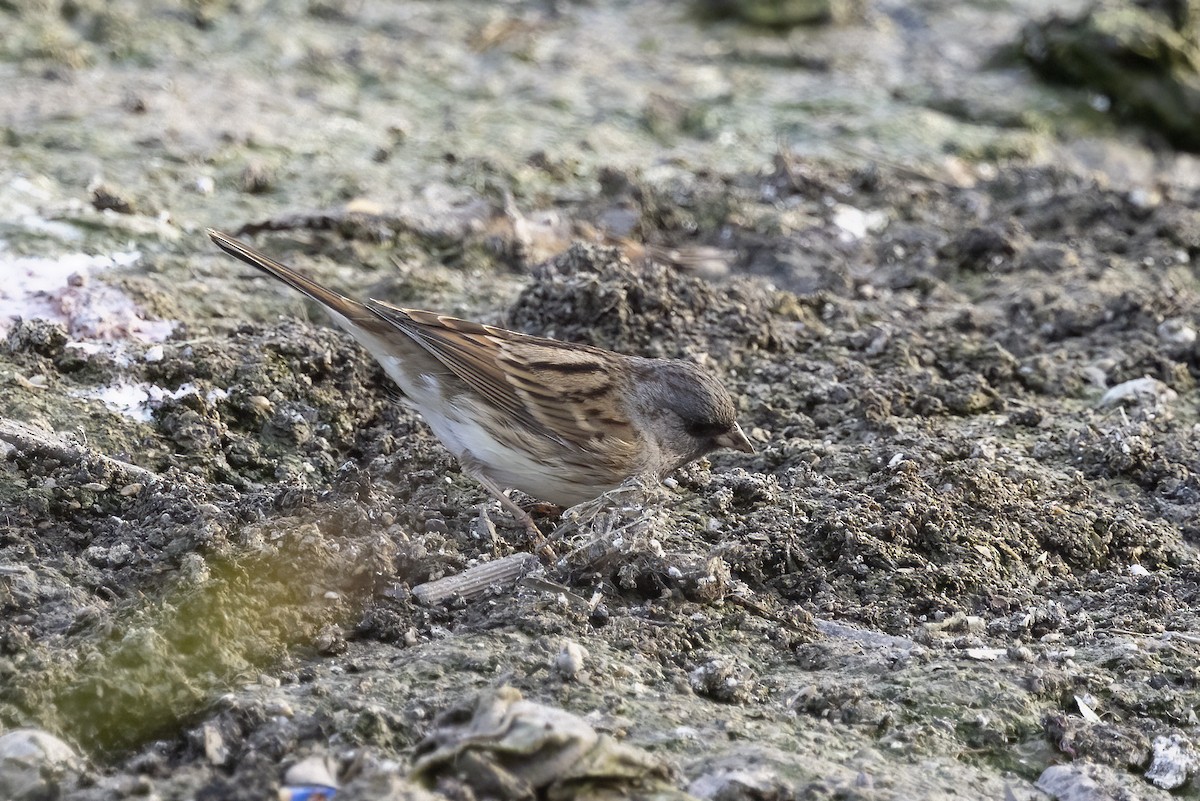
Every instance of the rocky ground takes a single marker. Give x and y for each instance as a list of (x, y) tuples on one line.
[(957, 308)]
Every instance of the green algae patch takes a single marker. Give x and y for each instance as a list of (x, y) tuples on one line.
[(159, 660)]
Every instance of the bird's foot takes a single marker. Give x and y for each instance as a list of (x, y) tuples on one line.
[(540, 546)]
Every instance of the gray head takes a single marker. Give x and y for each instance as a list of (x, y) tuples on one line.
[(687, 410)]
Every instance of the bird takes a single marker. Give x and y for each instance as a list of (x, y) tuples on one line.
[(559, 421)]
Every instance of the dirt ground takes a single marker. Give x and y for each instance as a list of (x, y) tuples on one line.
[(958, 311)]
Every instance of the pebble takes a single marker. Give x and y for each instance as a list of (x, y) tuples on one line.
[(256, 179), (312, 770), (1021, 653), (856, 223), (1177, 332), (570, 660), (435, 525), (280, 709), (985, 654), (1138, 390), (1175, 758), (741, 782), (215, 749), (35, 764), (204, 185), (1070, 783), (1145, 198)]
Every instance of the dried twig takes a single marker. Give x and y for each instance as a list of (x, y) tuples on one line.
[(27, 439)]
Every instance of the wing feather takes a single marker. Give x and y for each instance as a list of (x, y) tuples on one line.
[(557, 389)]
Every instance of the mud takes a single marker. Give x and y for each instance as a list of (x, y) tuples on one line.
[(964, 553)]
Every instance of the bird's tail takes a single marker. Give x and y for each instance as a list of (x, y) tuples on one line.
[(341, 306)]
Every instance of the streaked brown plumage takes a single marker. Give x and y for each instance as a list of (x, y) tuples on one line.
[(559, 421)]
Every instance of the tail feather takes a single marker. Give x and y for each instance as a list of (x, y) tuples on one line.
[(340, 305)]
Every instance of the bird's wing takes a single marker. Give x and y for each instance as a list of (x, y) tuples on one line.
[(567, 392)]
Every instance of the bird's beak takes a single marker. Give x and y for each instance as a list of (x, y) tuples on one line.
[(735, 440)]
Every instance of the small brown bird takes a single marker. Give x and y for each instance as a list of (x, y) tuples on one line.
[(558, 421)]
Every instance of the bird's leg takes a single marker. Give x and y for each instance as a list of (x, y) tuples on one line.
[(539, 540)]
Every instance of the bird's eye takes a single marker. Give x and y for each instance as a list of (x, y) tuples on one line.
[(704, 429)]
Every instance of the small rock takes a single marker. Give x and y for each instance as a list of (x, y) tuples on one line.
[(120, 555), (256, 179), (134, 103), (215, 749), (1021, 653), (1069, 783), (280, 709), (312, 770), (985, 654), (734, 782), (1175, 758), (986, 449), (570, 660), (34, 765), (721, 681), (1144, 199), (856, 223), (1177, 333), (330, 640), (204, 185), (1138, 390), (105, 198)]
